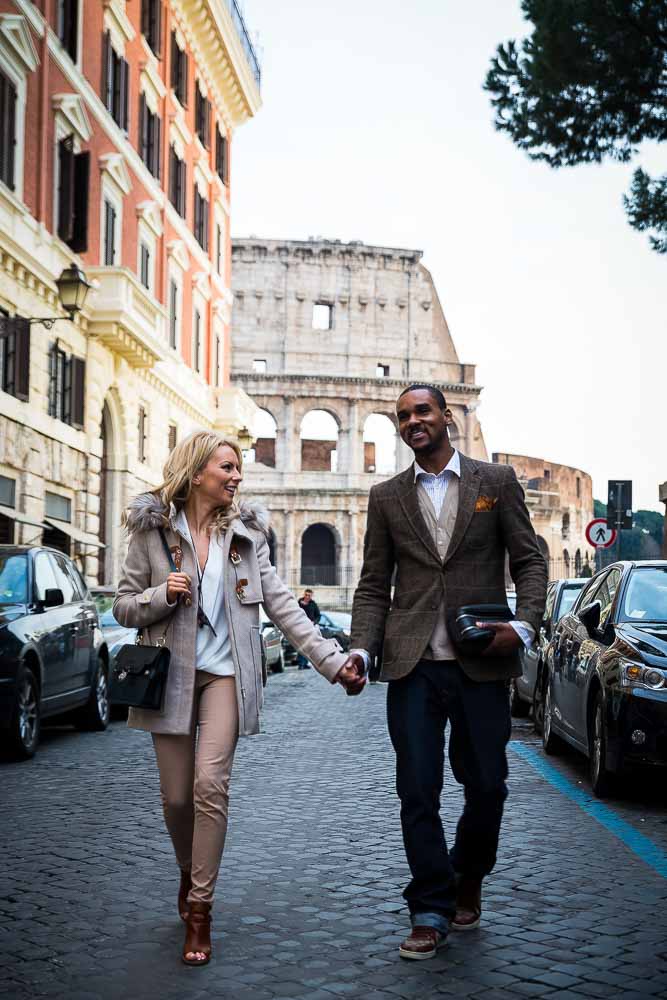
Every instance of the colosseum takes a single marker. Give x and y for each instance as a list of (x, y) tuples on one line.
[(325, 335)]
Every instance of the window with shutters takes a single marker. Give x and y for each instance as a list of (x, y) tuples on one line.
[(67, 26), (222, 156), (115, 83), (201, 220), (179, 71), (150, 130), (173, 314), (202, 117), (15, 356), (145, 266), (196, 342), (142, 431), (66, 387), (173, 437), (73, 172), (110, 233), (177, 180), (151, 22), (8, 107)]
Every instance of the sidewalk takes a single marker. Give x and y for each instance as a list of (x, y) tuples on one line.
[(309, 901)]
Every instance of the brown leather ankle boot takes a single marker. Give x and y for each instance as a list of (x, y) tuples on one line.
[(184, 889), (198, 934)]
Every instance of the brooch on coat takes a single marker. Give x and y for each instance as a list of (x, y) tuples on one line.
[(234, 555), (240, 589), (485, 503)]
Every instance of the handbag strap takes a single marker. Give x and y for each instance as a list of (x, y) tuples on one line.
[(172, 565)]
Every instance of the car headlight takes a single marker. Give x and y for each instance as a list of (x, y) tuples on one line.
[(637, 675)]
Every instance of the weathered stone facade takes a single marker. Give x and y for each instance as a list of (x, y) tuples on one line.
[(383, 327), (560, 500)]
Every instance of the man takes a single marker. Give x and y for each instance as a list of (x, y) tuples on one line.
[(444, 527), (308, 604)]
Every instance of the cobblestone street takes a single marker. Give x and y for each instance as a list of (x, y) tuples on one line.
[(308, 902)]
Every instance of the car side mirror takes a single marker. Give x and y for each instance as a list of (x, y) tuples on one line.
[(53, 596), (589, 616)]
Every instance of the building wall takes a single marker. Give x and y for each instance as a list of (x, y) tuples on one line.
[(384, 311), (122, 333), (560, 500)]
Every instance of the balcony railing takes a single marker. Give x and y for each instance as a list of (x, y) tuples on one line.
[(248, 47)]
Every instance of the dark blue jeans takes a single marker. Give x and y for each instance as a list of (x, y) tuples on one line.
[(418, 709)]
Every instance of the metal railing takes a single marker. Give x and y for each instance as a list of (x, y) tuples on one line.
[(244, 35)]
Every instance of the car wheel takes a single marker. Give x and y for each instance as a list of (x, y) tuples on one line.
[(602, 780), (95, 713), (279, 666), (551, 743), (20, 741), (518, 708)]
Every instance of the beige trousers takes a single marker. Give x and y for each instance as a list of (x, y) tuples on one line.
[(195, 771)]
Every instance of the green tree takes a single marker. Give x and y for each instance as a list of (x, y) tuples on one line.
[(589, 83), (644, 541)]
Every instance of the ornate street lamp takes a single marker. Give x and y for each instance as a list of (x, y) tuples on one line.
[(73, 288)]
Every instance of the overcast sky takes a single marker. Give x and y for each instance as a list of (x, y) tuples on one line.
[(375, 127)]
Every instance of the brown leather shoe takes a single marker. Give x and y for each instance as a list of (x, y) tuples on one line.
[(183, 890), (198, 934), (422, 943), (468, 904)]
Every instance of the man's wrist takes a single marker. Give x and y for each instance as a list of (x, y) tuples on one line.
[(365, 656)]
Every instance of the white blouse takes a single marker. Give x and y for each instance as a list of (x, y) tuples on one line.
[(213, 651)]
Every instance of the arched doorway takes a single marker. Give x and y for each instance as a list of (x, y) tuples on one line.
[(319, 442), (319, 560), (111, 498), (379, 445), (264, 431)]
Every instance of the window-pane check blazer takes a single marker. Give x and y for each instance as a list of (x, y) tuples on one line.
[(492, 520)]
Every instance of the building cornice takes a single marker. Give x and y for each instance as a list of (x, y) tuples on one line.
[(268, 382)]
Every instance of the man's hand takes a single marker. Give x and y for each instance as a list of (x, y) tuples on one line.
[(351, 674), (505, 641)]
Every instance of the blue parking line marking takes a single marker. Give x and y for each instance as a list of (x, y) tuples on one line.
[(652, 855)]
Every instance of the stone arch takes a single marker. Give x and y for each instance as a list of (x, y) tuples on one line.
[(565, 525), (113, 462), (320, 555), (566, 562), (265, 432), (578, 565), (380, 444), (319, 435)]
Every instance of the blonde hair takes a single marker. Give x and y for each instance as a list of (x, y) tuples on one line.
[(188, 458)]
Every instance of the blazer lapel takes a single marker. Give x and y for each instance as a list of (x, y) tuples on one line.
[(468, 491), (409, 501)]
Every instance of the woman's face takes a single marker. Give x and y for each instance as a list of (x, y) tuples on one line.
[(219, 480)]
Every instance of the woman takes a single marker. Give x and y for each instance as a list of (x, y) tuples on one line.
[(208, 612)]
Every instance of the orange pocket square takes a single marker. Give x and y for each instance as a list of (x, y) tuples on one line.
[(485, 503)]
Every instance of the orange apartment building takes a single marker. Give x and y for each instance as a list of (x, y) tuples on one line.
[(116, 134)]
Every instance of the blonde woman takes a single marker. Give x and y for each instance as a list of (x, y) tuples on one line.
[(209, 614)]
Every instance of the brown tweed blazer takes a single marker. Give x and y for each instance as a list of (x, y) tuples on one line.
[(492, 520)]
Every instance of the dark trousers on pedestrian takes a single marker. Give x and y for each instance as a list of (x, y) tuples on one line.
[(418, 709)]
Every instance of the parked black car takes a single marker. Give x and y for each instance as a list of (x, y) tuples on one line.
[(332, 625), (53, 658), (561, 595), (604, 688)]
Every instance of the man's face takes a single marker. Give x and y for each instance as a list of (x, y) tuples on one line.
[(421, 422), (307, 596)]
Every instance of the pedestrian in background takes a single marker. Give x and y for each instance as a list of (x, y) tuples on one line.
[(208, 613), (309, 605), (443, 529)]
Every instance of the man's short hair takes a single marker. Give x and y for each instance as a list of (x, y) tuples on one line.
[(432, 389), (308, 591)]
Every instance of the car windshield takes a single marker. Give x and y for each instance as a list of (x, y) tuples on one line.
[(13, 578), (341, 619), (646, 597), (568, 597)]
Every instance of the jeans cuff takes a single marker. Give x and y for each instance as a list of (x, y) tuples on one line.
[(437, 920)]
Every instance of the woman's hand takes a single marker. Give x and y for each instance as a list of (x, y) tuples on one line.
[(178, 584)]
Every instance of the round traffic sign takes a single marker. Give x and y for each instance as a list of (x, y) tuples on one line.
[(599, 535)]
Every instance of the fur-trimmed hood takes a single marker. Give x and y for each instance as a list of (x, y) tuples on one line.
[(147, 511)]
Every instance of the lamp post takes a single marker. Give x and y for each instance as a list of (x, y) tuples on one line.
[(73, 287)]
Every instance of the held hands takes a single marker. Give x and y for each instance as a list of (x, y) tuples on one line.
[(178, 585), (505, 641), (351, 674)]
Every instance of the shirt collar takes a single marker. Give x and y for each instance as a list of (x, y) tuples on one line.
[(453, 465)]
